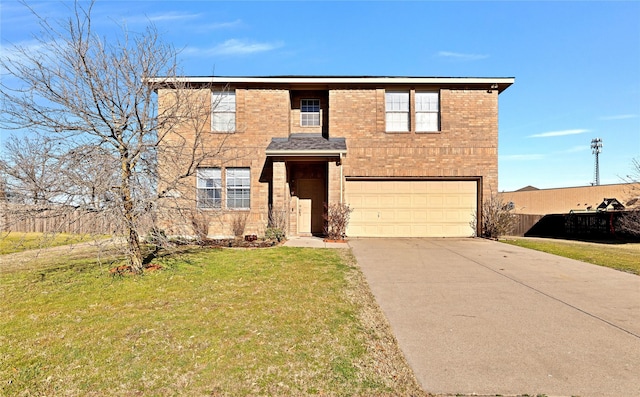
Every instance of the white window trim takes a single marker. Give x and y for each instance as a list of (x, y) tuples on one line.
[(389, 112), (318, 113), (413, 113), (215, 173), (435, 111), (236, 187), (220, 108)]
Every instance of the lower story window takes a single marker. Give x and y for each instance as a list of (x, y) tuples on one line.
[(209, 192), (238, 182)]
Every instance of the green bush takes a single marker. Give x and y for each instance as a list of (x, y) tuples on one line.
[(274, 233)]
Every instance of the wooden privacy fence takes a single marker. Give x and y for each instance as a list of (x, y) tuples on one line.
[(524, 222), (23, 219)]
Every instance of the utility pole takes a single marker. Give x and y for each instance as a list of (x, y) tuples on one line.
[(596, 148)]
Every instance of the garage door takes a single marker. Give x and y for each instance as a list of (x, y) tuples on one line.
[(411, 208)]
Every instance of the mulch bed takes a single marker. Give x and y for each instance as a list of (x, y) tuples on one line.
[(235, 243), (125, 270)]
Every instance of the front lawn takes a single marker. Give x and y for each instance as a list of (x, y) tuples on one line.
[(625, 257), (17, 242), (280, 321)]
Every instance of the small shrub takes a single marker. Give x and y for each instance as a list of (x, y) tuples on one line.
[(277, 224), (498, 218), (200, 225), (278, 219), (239, 223), (337, 220), (274, 233)]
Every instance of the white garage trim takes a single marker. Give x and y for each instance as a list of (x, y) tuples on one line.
[(411, 208)]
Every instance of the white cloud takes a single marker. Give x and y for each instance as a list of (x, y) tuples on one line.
[(172, 16), (30, 48), (558, 133), (576, 149), (522, 157), (236, 47), (222, 25), (619, 117), (461, 56)]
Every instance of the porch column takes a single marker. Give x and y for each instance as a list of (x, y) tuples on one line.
[(280, 199), (334, 183)]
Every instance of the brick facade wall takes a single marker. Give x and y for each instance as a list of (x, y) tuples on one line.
[(465, 146)]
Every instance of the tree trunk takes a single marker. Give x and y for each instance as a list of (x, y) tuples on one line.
[(134, 251)]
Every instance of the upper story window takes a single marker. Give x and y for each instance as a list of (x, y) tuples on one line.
[(397, 110), (238, 187), (427, 111), (423, 115), (223, 111), (310, 112), (209, 187)]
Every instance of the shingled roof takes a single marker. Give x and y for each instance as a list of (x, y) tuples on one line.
[(306, 145)]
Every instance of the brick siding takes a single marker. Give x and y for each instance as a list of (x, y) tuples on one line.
[(465, 146)]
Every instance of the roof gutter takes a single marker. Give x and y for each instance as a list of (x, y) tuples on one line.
[(305, 153)]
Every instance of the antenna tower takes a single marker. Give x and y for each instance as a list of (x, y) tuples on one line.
[(596, 148)]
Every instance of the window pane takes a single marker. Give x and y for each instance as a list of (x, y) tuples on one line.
[(426, 121), (224, 121), (224, 101), (397, 121), (397, 101), (309, 119), (426, 101), (310, 112), (209, 177), (310, 105), (209, 198), (209, 188), (238, 187), (427, 111), (223, 111)]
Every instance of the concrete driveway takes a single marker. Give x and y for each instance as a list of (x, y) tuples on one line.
[(478, 316)]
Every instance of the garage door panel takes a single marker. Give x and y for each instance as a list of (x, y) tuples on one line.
[(434, 202), (403, 200), (419, 216), (404, 216), (411, 208)]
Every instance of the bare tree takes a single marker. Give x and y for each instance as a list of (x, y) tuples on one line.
[(31, 170), (95, 97), (630, 221)]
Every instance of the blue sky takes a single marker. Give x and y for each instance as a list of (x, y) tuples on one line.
[(576, 64)]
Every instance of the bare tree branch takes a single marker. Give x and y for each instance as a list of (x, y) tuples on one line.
[(92, 113)]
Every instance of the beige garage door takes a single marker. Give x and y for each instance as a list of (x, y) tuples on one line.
[(411, 208)]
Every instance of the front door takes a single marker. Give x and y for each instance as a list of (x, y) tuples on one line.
[(304, 217), (314, 190)]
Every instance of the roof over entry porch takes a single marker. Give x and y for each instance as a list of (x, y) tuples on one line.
[(306, 176)]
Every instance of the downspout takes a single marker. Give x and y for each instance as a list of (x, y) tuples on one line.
[(341, 177)]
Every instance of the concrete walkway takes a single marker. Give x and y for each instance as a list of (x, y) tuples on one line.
[(313, 242), (477, 316)]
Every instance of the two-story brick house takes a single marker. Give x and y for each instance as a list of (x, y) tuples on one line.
[(413, 156)]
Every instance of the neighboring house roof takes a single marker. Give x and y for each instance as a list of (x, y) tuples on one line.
[(489, 83), (610, 204), (307, 145), (527, 188)]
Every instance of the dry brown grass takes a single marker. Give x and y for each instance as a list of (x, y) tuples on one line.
[(282, 321)]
